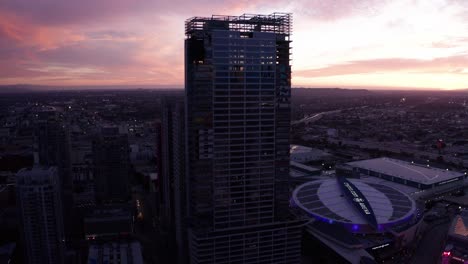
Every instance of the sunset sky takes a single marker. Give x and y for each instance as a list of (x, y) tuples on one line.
[(336, 43)]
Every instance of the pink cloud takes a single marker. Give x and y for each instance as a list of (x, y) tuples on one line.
[(141, 41), (59, 12), (338, 9)]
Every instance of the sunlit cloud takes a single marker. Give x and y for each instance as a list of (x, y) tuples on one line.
[(346, 43), (454, 64)]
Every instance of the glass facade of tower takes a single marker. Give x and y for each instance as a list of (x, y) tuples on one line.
[(243, 128), (238, 81)]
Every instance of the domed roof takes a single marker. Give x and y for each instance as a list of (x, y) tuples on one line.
[(354, 202)]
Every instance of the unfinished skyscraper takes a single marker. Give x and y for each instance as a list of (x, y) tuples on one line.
[(238, 85)]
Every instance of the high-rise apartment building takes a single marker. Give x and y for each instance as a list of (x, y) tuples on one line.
[(111, 165), (52, 137), (172, 176), (40, 206), (238, 84), (53, 143)]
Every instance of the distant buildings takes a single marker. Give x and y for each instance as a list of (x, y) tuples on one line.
[(40, 206), (111, 165), (238, 86)]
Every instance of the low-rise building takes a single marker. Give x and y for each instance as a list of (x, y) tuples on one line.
[(115, 252), (109, 221), (426, 181), (456, 247)]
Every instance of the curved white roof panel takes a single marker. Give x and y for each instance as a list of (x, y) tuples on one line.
[(354, 203)]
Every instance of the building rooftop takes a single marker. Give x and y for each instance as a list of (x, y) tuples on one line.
[(108, 223), (400, 187), (115, 252), (406, 170), (378, 204), (36, 175), (280, 23), (300, 170), (298, 149), (459, 227), (105, 215)]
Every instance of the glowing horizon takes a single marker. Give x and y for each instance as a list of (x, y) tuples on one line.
[(400, 44)]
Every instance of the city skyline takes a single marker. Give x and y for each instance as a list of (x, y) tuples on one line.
[(402, 44)]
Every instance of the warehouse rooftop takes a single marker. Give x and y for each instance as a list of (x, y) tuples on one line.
[(419, 173)]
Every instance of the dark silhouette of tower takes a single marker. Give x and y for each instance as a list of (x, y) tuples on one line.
[(52, 138), (172, 175), (111, 165), (40, 207)]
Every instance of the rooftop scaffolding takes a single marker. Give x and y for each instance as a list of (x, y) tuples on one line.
[(279, 23)]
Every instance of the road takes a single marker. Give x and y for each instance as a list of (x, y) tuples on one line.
[(314, 118), (318, 116), (145, 230)]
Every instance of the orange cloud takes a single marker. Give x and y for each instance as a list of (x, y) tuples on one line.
[(141, 41)]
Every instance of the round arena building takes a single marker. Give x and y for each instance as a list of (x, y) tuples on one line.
[(357, 205)]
